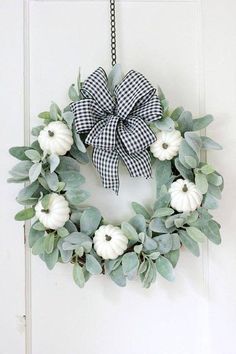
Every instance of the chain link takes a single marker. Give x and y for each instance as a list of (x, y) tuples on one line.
[(113, 32)]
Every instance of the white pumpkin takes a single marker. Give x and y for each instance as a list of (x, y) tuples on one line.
[(57, 213), (167, 145), (185, 196), (55, 138), (109, 242)]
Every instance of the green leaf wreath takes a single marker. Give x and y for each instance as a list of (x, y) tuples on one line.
[(64, 231)]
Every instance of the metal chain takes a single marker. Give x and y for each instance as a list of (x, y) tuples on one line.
[(113, 31)]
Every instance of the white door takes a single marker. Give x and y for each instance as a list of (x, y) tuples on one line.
[(188, 48)]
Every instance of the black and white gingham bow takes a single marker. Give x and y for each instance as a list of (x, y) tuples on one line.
[(116, 126)]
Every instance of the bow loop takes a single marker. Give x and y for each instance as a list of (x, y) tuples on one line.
[(95, 87), (133, 90), (118, 128)]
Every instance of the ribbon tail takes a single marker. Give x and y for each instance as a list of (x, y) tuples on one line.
[(138, 164), (106, 162)]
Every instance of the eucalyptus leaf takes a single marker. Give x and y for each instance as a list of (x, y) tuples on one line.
[(165, 268)]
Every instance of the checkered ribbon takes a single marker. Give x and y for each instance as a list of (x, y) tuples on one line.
[(117, 126)]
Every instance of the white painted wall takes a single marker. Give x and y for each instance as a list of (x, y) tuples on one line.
[(183, 47)]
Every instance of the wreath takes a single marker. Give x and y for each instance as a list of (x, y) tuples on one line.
[(147, 135)]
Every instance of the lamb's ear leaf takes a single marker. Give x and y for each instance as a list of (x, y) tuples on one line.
[(72, 93), (92, 265), (130, 262), (78, 275), (185, 122), (51, 259), (165, 268), (139, 209), (90, 220), (176, 113), (203, 122), (118, 276), (173, 257), (209, 144), (129, 231), (212, 231), (19, 152), (189, 243), (25, 214)]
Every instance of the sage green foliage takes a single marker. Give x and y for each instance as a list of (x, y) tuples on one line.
[(155, 234)]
